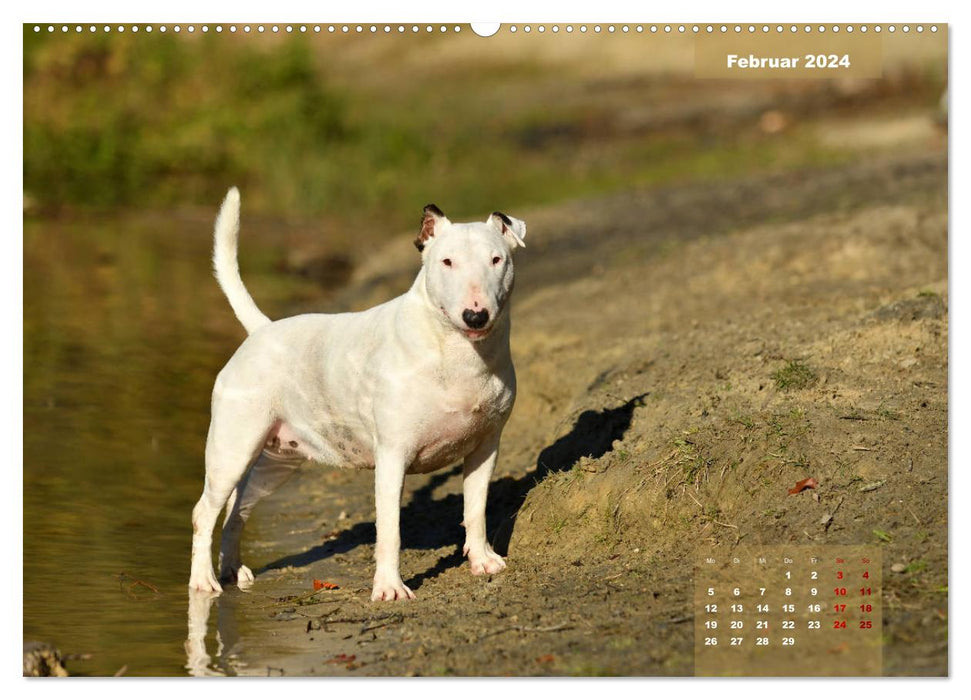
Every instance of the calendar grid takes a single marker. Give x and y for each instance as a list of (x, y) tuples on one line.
[(794, 610)]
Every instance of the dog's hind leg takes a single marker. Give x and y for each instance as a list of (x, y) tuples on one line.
[(236, 434), (269, 472)]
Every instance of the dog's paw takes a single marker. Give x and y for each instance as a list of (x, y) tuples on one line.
[(485, 562), (239, 573), (391, 589), (244, 576), (205, 582)]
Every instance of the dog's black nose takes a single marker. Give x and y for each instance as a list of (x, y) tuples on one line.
[(475, 319)]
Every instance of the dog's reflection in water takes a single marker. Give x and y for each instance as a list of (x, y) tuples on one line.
[(198, 661)]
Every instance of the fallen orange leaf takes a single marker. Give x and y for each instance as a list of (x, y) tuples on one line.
[(318, 584), (341, 659), (545, 659), (809, 483)]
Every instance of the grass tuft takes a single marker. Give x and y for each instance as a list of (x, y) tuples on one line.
[(795, 375)]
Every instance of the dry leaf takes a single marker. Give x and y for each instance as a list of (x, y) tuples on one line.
[(341, 659), (809, 483)]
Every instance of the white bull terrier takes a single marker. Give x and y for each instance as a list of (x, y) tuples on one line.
[(407, 387)]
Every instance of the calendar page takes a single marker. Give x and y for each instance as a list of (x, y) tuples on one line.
[(357, 345)]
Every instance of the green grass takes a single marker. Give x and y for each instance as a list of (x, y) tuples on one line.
[(888, 414), (746, 421), (915, 567), (691, 462), (794, 376), (883, 536), (556, 521)]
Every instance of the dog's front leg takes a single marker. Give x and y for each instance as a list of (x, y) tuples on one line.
[(477, 471), (389, 478)]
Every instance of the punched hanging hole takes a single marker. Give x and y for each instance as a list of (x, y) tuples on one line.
[(485, 29)]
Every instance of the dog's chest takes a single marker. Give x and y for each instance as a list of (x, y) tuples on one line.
[(455, 423)]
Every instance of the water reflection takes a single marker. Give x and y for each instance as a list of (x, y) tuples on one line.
[(124, 333), (198, 662), (228, 640)]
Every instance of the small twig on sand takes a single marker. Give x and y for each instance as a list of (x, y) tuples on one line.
[(694, 499), (121, 671), (370, 623), (392, 619), (554, 628), (828, 519), (299, 599), (348, 620), (734, 527), (522, 628)]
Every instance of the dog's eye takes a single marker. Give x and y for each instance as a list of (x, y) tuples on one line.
[(447, 262), (496, 260)]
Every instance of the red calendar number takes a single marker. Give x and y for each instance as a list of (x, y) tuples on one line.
[(839, 624), (839, 591), (865, 591), (866, 607), (841, 607), (866, 624)]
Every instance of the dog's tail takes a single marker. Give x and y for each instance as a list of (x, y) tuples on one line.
[(226, 266)]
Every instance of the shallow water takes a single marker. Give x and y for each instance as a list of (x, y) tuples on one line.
[(124, 332)]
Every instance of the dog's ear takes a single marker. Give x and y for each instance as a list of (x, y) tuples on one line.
[(432, 220), (514, 230)]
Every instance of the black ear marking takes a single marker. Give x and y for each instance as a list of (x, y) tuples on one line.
[(429, 215), (505, 220)]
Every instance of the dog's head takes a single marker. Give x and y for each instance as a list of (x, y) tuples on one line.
[(468, 268)]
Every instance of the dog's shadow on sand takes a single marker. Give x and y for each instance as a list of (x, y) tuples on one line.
[(429, 523)]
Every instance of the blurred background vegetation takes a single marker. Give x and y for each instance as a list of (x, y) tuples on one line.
[(129, 120), (370, 128)]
